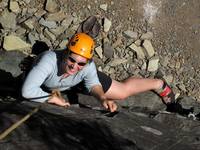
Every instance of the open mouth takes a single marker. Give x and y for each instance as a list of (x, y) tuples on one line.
[(71, 70)]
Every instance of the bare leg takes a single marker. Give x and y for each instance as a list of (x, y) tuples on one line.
[(132, 86)]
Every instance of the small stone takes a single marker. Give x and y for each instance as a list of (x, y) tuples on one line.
[(131, 34), (117, 42), (108, 50), (14, 7), (52, 6), (99, 51), (147, 36), (13, 42), (153, 64), (104, 7), (32, 38), (49, 35), (67, 21), (20, 31), (40, 13), (89, 7), (48, 24), (177, 95), (29, 24), (117, 61), (138, 42), (63, 44), (8, 20), (58, 16), (182, 87), (107, 24), (139, 51), (168, 78), (144, 66), (149, 48), (59, 30)]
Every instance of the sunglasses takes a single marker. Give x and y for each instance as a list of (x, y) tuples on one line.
[(72, 60)]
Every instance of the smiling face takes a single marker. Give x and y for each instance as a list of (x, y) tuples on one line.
[(75, 63)]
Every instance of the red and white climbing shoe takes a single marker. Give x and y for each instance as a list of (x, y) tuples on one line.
[(166, 93)]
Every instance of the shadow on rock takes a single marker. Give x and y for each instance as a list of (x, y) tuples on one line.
[(9, 85)]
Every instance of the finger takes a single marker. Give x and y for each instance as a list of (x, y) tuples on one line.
[(105, 105), (66, 105), (59, 102), (112, 107)]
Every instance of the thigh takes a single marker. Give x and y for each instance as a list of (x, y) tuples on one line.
[(117, 91)]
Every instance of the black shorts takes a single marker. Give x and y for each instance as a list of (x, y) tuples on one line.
[(105, 81)]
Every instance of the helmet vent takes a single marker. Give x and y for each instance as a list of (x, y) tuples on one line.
[(73, 43)]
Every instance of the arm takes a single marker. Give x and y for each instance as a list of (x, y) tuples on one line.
[(39, 73), (94, 87), (97, 91)]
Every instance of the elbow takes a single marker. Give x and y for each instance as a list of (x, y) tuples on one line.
[(25, 93)]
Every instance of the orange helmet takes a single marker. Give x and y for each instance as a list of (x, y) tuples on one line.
[(82, 44)]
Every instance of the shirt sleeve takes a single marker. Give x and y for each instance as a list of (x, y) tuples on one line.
[(42, 69), (91, 79)]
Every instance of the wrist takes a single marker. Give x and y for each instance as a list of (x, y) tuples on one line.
[(102, 98)]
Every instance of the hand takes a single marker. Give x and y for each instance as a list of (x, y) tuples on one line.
[(111, 105), (58, 101), (98, 92)]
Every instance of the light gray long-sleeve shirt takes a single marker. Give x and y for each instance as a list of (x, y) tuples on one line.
[(48, 71)]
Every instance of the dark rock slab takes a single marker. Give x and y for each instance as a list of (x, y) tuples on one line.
[(89, 128)]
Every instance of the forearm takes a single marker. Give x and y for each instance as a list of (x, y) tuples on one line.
[(31, 87), (35, 94), (97, 91)]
